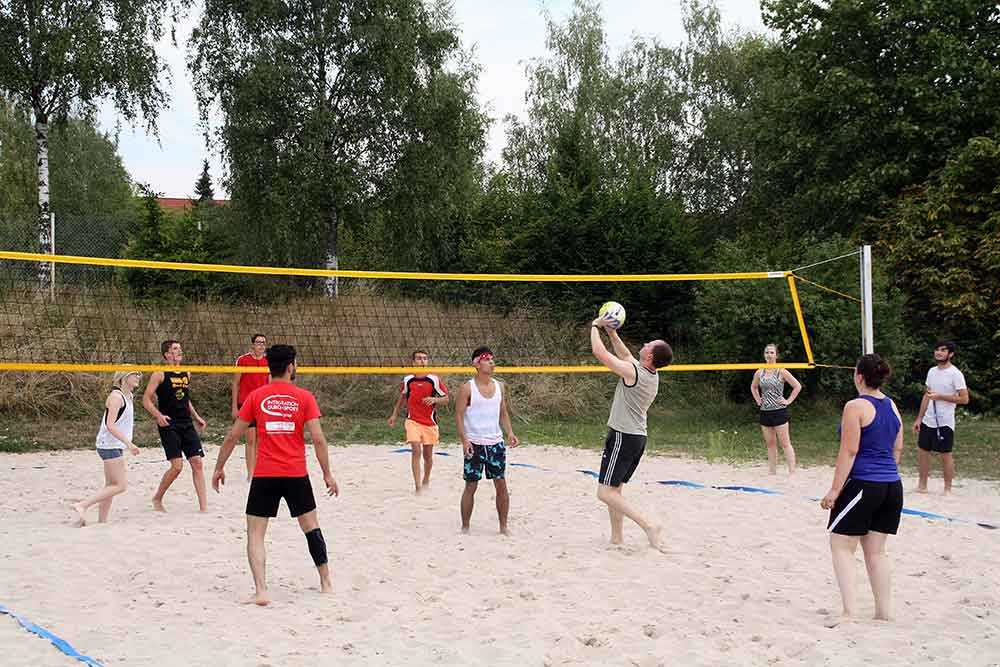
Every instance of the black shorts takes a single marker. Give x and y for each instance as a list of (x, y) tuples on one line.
[(180, 439), (774, 418), (863, 506), (253, 422), (622, 452), (266, 493), (941, 440), (491, 458)]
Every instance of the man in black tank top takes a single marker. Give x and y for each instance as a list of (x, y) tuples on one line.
[(177, 421)]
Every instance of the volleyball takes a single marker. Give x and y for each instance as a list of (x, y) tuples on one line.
[(615, 311)]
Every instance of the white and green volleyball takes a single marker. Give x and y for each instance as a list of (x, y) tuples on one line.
[(615, 311)]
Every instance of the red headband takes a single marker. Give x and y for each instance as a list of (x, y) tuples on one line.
[(483, 357)]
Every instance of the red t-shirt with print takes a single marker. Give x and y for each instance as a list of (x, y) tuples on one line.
[(281, 410), (250, 381)]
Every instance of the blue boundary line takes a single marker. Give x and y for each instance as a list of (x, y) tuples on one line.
[(60, 644), (989, 525)]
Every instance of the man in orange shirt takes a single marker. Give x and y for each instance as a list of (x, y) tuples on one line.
[(423, 392), (243, 384), (284, 413)]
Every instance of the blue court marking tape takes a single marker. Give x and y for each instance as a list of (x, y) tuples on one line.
[(679, 482), (927, 515), (60, 644), (747, 489), (408, 450), (751, 489)]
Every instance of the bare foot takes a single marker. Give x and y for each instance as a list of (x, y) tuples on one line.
[(158, 505), (417, 490), (655, 535), (465, 530), (921, 489), (505, 531), (325, 586), (81, 513), (837, 621), (617, 542), (259, 599)]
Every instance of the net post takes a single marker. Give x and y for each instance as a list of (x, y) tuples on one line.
[(867, 321), (800, 318), (52, 269)]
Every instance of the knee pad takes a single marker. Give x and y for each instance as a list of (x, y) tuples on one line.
[(317, 546)]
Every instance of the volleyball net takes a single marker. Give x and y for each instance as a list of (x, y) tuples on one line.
[(100, 315)]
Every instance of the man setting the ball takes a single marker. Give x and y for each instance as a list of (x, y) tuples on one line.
[(626, 440)]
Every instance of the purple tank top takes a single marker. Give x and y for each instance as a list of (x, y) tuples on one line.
[(875, 462)]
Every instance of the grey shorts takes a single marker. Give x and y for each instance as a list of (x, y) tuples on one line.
[(108, 454)]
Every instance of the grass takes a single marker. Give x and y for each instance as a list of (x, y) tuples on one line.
[(724, 433)]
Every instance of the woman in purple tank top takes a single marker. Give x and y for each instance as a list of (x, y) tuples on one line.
[(866, 497)]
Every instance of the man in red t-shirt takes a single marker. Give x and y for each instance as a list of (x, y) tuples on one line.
[(284, 412), (243, 384), (422, 393)]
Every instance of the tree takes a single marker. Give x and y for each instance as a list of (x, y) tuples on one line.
[(586, 178), (203, 190), (60, 56), (875, 94), (317, 105), (940, 240), (92, 193)]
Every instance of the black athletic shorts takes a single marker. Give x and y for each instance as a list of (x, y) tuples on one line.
[(253, 422), (941, 440), (863, 506), (622, 452), (180, 439), (266, 493), (489, 458), (774, 418)]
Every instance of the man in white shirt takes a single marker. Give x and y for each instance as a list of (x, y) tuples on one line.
[(935, 424)]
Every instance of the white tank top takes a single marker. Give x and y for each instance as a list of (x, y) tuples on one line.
[(124, 423), (482, 417)]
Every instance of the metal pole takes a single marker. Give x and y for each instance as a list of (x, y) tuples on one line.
[(867, 320), (52, 236)]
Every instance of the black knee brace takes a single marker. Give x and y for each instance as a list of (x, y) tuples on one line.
[(317, 546)]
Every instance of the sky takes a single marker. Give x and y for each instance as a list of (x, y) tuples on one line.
[(505, 37)]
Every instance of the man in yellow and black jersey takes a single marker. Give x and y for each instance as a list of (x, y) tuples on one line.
[(179, 424)]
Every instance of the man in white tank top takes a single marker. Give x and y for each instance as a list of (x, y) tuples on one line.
[(480, 411), (626, 440)]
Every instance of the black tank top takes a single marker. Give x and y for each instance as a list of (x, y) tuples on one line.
[(173, 396)]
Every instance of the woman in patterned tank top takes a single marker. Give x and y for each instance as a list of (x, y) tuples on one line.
[(768, 389)]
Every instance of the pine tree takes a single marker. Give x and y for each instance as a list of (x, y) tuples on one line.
[(203, 190)]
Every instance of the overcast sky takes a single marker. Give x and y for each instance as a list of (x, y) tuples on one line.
[(505, 36)]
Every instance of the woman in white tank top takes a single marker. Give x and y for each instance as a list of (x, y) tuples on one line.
[(113, 436)]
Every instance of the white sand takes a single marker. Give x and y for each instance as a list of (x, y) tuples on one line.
[(750, 581)]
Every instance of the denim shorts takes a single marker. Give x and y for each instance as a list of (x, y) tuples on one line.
[(108, 454)]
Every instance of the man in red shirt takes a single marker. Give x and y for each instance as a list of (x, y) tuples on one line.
[(243, 384), (284, 413), (422, 393)]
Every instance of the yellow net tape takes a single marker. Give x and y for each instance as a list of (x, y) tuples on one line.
[(373, 370), (392, 275), (826, 289), (800, 318)]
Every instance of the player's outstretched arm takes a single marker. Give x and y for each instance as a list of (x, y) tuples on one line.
[(147, 399), (621, 350), (322, 450), (461, 403), (623, 369), (228, 445)]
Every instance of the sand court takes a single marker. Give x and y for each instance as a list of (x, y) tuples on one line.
[(748, 581)]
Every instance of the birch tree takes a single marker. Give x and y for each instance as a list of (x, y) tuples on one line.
[(65, 56)]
